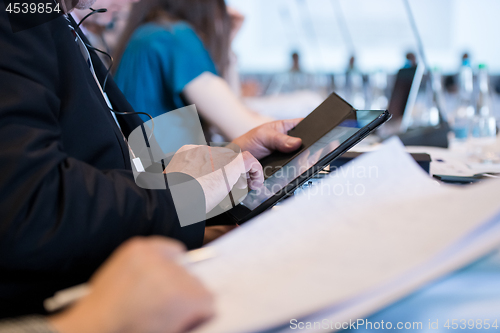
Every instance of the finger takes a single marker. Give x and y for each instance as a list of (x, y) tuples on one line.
[(236, 171), (284, 143), (288, 124), (254, 170), (277, 139)]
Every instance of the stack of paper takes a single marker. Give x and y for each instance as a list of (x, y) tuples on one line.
[(373, 232)]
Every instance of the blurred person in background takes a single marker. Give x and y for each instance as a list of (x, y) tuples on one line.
[(411, 60), (351, 66), (465, 58), (292, 93), (295, 63), (175, 53)]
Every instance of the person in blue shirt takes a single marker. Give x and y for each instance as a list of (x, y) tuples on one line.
[(175, 53)]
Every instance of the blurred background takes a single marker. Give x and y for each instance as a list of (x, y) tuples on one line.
[(433, 64), (326, 32), (331, 39)]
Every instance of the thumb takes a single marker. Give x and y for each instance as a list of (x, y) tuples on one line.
[(285, 143)]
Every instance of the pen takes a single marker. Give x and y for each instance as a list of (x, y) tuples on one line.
[(65, 297)]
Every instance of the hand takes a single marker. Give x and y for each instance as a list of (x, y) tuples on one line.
[(205, 164), (262, 140), (141, 288)]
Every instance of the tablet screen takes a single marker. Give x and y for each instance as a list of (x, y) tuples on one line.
[(310, 157)]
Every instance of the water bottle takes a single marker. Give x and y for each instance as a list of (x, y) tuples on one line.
[(484, 127), (484, 122), (466, 78), (484, 98), (462, 118)]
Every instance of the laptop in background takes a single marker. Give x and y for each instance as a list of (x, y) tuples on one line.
[(403, 97)]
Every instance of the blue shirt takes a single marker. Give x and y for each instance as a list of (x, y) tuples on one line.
[(159, 61)]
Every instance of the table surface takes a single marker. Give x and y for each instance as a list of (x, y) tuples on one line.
[(473, 293)]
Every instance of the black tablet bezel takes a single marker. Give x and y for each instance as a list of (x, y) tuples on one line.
[(241, 214)]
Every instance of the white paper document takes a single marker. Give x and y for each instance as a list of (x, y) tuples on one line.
[(374, 231)]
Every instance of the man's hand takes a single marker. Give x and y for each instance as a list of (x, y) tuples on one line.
[(141, 288), (219, 169), (262, 140)]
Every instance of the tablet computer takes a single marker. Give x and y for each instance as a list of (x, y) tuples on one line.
[(328, 132)]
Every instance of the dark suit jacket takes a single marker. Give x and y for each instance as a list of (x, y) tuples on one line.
[(67, 193)]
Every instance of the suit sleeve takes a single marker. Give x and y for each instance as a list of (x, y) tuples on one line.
[(59, 213)]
